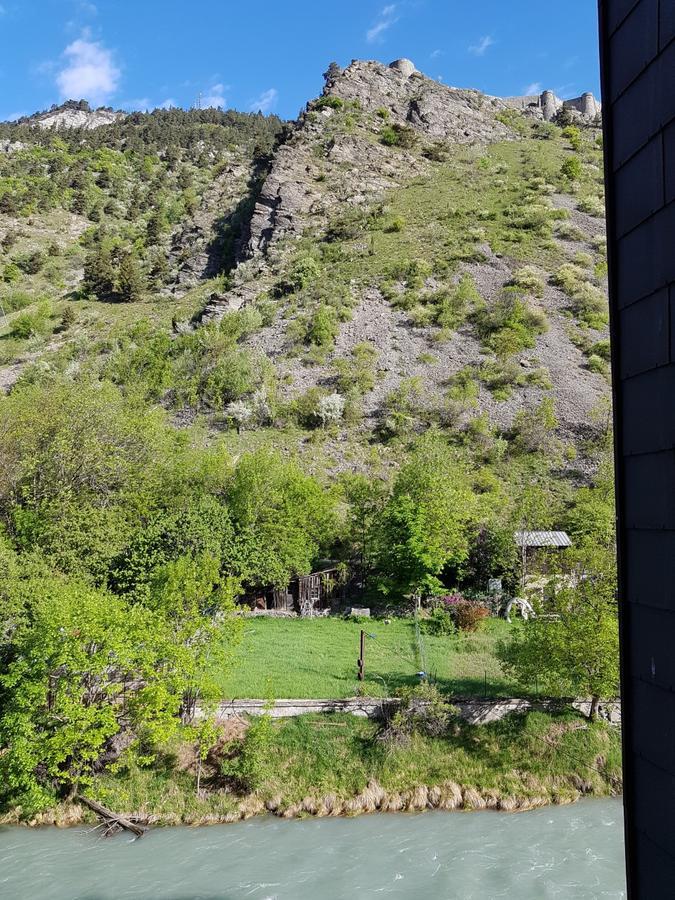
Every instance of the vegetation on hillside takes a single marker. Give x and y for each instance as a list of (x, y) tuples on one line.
[(153, 470)]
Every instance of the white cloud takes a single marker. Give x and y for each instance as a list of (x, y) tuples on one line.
[(534, 88), (169, 103), (89, 73), (482, 45), (265, 101), (435, 54), (214, 97), (385, 20)]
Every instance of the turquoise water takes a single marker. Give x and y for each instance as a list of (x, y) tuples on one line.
[(568, 852)]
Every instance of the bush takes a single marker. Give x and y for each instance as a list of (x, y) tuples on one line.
[(594, 206), (510, 325), (597, 364), (439, 623), (328, 101), (31, 263), (533, 427), (423, 710), (323, 327), (394, 225), (573, 135), (528, 280), (572, 168), (398, 136), (11, 273), (466, 614), (250, 764), (31, 324)]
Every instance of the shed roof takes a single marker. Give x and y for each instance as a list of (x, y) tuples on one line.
[(542, 539)]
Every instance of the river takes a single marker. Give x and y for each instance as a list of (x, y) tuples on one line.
[(571, 852)]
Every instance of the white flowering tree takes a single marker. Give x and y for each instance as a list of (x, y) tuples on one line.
[(330, 409)]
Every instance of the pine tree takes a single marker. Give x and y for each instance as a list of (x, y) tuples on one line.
[(99, 273), (130, 282)]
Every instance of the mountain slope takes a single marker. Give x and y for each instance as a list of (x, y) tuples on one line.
[(406, 254)]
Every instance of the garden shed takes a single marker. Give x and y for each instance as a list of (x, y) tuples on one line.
[(536, 547), (305, 595)]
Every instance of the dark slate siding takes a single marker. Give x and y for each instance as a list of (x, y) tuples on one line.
[(637, 39)]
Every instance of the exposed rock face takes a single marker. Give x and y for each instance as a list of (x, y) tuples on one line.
[(404, 66), (362, 167), (74, 114)]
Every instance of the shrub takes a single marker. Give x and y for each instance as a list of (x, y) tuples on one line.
[(328, 101), (572, 168), (592, 205), (510, 325), (602, 349), (569, 232), (30, 324), (573, 135), (590, 305), (11, 273), (439, 623), (595, 363), (358, 373), (394, 225), (250, 764), (466, 614), (533, 428), (323, 327), (330, 409), (31, 263), (528, 280), (398, 136), (383, 113), (423, 710)]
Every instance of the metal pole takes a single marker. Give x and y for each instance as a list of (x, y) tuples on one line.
[(362, 656)]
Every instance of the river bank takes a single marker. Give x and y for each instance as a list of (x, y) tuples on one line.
[(338, 765)]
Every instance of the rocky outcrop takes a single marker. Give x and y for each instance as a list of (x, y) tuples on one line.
[(74, 114), (295, 189)]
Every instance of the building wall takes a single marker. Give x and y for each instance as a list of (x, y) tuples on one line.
[(637, 39)]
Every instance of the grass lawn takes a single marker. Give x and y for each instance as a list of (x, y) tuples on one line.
[(317, 658)]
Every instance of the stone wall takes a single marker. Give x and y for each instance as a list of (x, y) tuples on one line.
[(474, 710)]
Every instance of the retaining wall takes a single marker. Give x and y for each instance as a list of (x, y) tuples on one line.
[(473, 710)]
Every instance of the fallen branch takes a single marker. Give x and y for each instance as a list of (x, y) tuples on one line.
[(113, 819)]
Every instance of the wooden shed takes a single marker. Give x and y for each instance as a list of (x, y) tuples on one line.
[(305, 595)]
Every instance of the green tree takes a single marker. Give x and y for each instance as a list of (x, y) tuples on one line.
[(82, 674), (99, 273), (130, 282), (573, 651), (425, 524), (285, 518)]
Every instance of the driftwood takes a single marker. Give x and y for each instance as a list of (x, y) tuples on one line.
[(113, 820)]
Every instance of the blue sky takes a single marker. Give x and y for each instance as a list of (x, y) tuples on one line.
[(270, 54)]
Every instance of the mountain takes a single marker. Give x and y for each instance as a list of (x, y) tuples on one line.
[(411, 253)]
